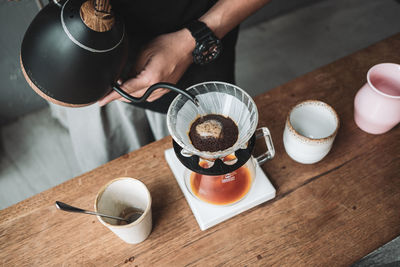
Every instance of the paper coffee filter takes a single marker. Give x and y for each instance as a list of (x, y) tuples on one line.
[(214, 98)]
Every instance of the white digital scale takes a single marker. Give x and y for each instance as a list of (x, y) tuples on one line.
[(208, 215)]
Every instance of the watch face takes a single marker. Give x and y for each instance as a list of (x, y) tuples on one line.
[(207, 51)]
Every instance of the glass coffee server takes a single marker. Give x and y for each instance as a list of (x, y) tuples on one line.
[(223, 177)]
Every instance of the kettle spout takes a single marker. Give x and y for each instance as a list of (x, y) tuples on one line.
[(154, 87)]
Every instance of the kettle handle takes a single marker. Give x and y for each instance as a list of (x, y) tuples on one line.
[(156, 86)]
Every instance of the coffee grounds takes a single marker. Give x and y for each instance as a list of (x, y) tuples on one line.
[(213, 133)]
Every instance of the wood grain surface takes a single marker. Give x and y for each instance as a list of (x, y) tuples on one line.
[(330, 213), (97, 15)]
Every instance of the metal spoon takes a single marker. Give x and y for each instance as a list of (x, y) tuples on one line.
[(65, 207)]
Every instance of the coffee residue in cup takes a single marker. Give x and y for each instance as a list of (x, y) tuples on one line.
[(213, 133), (130, 213)]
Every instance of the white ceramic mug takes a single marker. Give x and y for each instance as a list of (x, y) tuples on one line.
[(121, 194), (310, 129)]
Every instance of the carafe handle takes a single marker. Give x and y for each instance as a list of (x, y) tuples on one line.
[(270, 153)]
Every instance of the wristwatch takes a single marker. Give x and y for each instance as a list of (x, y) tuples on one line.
[(208, 46)]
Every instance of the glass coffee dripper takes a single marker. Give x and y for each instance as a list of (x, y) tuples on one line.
[(222, 177)]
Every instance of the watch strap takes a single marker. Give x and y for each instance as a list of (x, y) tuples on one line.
[(199, 30)]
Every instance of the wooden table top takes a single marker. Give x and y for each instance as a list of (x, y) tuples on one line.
[(331, 213)]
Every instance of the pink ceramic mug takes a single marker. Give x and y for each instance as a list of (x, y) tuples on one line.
[(377, 103)]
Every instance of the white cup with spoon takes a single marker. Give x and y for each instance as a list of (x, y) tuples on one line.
[(124, 206)]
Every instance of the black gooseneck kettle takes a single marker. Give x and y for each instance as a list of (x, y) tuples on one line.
[(74, 51)]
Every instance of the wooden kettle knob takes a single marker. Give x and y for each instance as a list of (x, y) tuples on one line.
[(97, 15)]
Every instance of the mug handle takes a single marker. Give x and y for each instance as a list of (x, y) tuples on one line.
[(270, 153)]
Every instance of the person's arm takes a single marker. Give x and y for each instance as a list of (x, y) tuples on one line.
[(227, 14), (167, 57)]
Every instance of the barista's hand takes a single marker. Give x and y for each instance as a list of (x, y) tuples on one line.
[(165, 59)]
